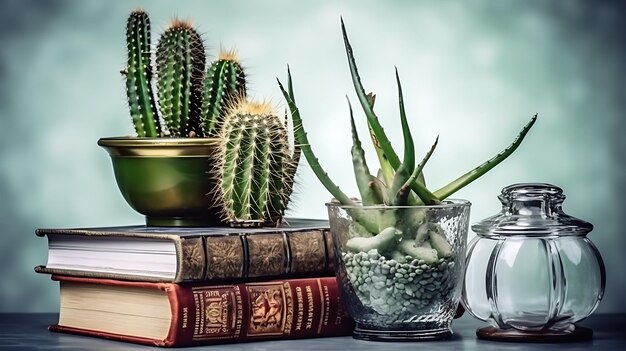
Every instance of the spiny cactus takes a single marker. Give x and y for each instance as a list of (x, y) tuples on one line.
[(180, 62), (224, 83), (138, 73), (254, 165)]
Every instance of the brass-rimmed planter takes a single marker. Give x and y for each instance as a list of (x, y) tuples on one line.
[(165, 179)]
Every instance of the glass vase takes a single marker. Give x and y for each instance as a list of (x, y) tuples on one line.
[(400, 268), (531, 271)]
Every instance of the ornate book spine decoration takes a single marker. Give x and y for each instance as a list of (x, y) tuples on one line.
[(212, 254), (210, 314)]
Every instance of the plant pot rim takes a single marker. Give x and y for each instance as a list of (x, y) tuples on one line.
[(130, 146), (448, 203), (147, 142)]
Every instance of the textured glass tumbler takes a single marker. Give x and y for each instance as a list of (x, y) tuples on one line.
[(404, 283), (531, 268)]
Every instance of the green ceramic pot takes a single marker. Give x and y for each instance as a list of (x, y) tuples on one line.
[(165, 179)]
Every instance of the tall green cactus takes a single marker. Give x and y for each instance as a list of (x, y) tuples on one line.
[(253, 164), (180, 62), (138, 73), (224, 83)]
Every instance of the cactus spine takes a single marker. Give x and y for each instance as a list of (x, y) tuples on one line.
[(139, 76), (252, 165), (224, 83), (180, 68)]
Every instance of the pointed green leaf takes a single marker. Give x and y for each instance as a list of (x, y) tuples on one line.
[(377, 130), (372, 119), (409, 147), (297, 151), (303, 141), (401, 196), (361, 171), (477, 172)]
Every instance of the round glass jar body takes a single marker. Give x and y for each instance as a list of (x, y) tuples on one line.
[(531, 267)]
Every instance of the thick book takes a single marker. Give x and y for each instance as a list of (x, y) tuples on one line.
[(172, 315), (301, 248)]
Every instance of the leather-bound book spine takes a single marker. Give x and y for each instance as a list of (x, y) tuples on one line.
[(209, 314), (302, 249)]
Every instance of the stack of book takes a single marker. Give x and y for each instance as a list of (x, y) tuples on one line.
[(196, 286)]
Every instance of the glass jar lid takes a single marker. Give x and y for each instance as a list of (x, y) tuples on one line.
[(533, 209)]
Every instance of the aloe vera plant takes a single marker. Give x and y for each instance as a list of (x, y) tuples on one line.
[(401, 258), (401, 182)]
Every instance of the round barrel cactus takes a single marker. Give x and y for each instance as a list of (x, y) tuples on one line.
[(254, 166)]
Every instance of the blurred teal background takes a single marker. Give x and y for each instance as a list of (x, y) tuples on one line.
[(473, 72)]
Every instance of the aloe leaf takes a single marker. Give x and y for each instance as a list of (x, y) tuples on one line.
[(421, 179), (403, 179), (376, 129), (477, 172), (361, 171), (387, 172), (385, 166), (420, 166), (408, 163), (372, 119), (290, 85), (368, 219), (381, 177), (409, 147), (297, 151), (302, 140), (402, 194), (371, 98), (379, 189)]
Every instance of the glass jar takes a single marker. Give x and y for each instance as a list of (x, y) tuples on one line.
[(531, 267)]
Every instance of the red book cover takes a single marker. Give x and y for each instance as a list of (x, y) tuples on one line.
[(209, 314)]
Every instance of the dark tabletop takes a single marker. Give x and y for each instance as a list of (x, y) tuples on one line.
[(29, 332)]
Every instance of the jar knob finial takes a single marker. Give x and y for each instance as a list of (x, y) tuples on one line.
[(532, 198)]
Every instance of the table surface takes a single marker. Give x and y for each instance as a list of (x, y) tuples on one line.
[(29, 332)]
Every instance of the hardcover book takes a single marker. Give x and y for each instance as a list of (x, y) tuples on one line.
[(171, 315), (301, 248)]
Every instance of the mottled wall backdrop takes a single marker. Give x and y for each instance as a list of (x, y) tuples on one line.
[(473, 72)]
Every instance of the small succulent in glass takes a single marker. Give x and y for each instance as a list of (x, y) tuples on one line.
[(401, 248)]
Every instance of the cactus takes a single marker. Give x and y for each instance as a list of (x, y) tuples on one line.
[(224, 83), (180, 62), (253, 165), (138, 73)]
